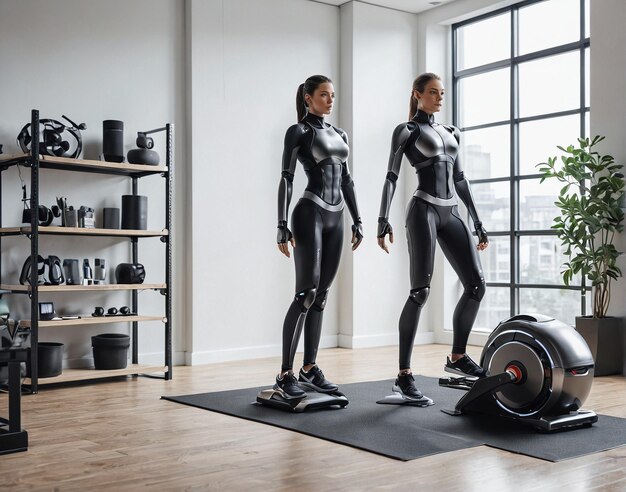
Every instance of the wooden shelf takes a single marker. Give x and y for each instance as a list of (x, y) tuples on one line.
[(87, 319), (83, 231), (83, 288), (87, 165), (13, 158), (69, 375)]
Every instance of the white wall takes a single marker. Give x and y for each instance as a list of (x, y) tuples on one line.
[(378, 52), (247, 60), (94, 61), (608, 111)]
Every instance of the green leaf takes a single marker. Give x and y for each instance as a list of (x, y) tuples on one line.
[(590, 212)]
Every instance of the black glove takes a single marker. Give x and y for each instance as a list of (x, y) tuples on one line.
[(284, 235), (481, 232), (357, 232), (384, 227)]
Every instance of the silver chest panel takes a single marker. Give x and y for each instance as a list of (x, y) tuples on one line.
[(328, 143)]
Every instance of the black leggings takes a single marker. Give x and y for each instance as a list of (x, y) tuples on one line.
[(425, 224), (319, 236)]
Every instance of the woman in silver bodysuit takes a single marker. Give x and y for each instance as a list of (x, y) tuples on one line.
[(432, 216), (317, 224)]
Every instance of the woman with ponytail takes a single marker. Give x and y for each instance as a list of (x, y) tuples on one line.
[(432, 215), (317, 225)]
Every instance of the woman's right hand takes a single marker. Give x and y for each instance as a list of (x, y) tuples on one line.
[(384, 228), (283, 238)]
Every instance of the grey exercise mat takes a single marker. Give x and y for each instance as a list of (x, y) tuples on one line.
[(405, 432)]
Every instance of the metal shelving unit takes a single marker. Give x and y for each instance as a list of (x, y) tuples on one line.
[(35, 162)]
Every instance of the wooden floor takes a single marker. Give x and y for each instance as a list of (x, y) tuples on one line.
[(118, 435)]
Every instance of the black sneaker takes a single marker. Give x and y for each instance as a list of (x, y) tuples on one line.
[(288, 387), (315, 380), (405, 385), (465, 366)]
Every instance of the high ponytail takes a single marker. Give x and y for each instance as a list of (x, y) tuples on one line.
[(419, 85), (309, 87), (300, 104), (412, 105)]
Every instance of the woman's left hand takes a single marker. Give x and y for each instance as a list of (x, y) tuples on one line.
[(483, 240), (357, 235)]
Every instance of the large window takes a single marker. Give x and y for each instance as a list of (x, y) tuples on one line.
[(521, 87)]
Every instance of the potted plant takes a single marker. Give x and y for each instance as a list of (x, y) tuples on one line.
[(590, 216)]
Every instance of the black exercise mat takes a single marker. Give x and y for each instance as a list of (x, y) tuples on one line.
[(406, 433)]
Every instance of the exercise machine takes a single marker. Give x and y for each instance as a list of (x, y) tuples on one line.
[(313, 400), (540, 373)]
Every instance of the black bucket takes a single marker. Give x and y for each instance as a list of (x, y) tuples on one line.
[(110, 350), (49, 360)]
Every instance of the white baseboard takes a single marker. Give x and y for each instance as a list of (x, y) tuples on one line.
[(382, 340), (475, 338), (156, 358), (246, 353), (275, 350)]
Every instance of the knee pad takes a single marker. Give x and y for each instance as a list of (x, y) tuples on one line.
[(305, 299), (419, 296), (476, 292), (320, 301)]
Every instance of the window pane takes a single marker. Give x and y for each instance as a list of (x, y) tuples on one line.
[(549, 84), (493, 204), (547, 24), (496, 259), (486, 152), (484, 42), (541, 259), (587, 81), (495, 307), (537, 208), (586, 18), (563, 305), (476, 109), (539, 139)]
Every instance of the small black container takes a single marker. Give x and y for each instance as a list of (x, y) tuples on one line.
[(49, 360), (111, 218), (110, 350), (134, 212)]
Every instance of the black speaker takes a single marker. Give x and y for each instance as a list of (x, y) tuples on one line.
[(130, 273), (111, 218), (134, 212), (113, 140), (72, 272)]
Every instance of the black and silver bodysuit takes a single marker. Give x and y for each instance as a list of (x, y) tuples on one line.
[(317, 225), (432, 215)]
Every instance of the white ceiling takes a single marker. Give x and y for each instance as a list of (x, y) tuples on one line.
[(412, 6)]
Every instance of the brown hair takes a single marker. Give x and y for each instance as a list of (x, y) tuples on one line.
[(309, 86), (419, 85)]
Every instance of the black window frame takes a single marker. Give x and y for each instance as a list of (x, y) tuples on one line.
[(514, 121)]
